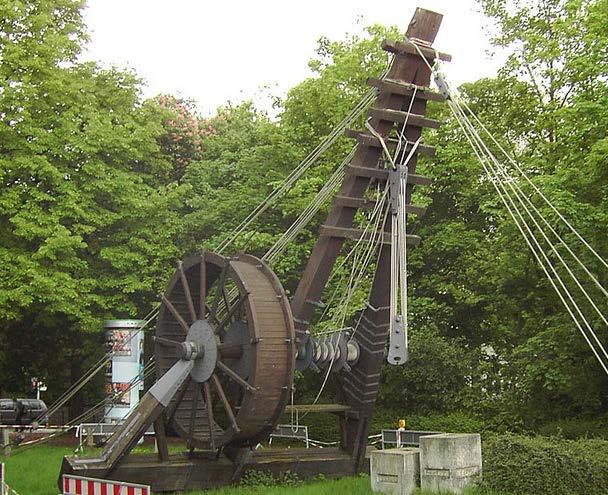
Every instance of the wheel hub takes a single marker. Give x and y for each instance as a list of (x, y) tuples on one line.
[(201, 346)]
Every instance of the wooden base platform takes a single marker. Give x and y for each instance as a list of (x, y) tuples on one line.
[(195, 472)]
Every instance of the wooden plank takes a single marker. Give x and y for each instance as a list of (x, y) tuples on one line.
[(368, 204), (357, 234), (196, 472), (400, 116), (407, 47), (382, 173), (317, 408), (404, 88), (369, 140)]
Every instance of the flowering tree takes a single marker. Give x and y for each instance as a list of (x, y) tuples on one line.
[(185, 133)]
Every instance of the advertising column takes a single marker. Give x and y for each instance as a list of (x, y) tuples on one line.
[(124, 338)]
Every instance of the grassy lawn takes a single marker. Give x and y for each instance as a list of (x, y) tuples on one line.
[(35, 471)]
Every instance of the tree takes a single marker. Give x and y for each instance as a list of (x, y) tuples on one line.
[(86, 221)]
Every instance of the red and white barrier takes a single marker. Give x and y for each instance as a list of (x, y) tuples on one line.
[(77, 485)]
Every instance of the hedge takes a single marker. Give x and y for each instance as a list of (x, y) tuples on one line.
[(538, 465)]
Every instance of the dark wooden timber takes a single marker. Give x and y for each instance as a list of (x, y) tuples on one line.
[(407, 48), (400, 116), (382, 173), (369, 140), (183, 472), (359, 388), (161, 439), (366, 204), (403, 88), (359, 234), (318, 408)]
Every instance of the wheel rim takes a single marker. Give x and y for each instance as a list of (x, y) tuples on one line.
[(248, 380)]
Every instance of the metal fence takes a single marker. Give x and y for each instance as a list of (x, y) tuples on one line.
[(404, 438)]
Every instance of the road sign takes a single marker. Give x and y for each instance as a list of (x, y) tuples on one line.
[(78, 485)]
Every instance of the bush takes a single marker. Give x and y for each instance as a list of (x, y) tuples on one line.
[(576, 428), (539, 465)]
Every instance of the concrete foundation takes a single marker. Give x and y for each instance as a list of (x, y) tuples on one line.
[(395, 471), (450, 461)]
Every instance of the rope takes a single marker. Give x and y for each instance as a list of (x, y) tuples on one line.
[(356, 276), (492, 170), (110, 400), (299, 170), (309, 212), (97, 367), (534, 245), (536, 189)]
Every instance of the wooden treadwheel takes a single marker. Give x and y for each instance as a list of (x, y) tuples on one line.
[(238, 389)]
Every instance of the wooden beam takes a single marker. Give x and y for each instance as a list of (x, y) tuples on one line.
[(407, 47), (369, 140), (368, 204), (317, 408), (357, 234), (401, 116), (404, 88), (161, 439), (382, 173)]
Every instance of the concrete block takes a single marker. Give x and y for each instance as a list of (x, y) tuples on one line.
[(395, 471), (450, 461)]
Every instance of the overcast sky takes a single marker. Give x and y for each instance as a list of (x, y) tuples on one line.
[(216, 51)]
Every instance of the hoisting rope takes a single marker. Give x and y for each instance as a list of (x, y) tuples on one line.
[(309, 212), (91, 412), (523, 211), (304, 165), (361, 261), (98, 366), (295, 175)]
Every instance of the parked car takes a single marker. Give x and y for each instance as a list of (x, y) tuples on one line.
[(23, 412), (9, 412), (33, 410)]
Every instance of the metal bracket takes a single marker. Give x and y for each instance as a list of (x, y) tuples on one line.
[(442, 85), (394, 182), (397, 347)]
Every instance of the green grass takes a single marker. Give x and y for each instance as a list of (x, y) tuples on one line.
[(35, 471)]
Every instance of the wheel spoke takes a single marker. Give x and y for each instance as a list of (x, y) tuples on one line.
[(167, 342), (197, 392), (226, 300), (218, 293), (231, 313), (178, 399), (187, 293), (175, 313), (235, 376), (225, 403), (202, 287), (209, 404)]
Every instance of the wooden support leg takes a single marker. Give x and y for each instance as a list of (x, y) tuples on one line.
[(161, 439)]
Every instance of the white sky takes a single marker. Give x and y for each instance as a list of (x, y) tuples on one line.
[(216, 51)]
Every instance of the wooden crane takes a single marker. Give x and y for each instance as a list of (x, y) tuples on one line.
[(228, 339)]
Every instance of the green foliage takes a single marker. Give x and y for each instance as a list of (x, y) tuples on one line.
[(433, 379), (573, 429), (533, 465)]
